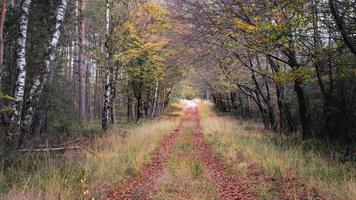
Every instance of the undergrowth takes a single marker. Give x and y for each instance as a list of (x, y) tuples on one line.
[(102, 162)]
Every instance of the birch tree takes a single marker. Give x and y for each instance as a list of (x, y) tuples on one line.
[(40, 80), (16, 110), (155, 99), (107, 84)]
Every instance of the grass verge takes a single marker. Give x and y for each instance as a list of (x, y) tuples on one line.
[(103, 162), (278, 155)]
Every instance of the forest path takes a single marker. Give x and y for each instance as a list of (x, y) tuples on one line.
[(184, 166)]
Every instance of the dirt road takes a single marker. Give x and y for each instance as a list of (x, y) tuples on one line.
[(144, 187)]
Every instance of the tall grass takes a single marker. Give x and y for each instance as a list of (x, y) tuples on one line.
[(279, 155), (101, 163)]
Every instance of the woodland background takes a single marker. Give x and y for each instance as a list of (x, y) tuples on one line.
[(81, 82), (71, 66)]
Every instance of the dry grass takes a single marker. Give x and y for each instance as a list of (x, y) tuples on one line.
[(103, 163), (232, 137), (185, 176)]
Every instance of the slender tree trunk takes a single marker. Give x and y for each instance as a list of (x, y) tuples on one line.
[(69, 70), (81, 63), (319, 66), (2, 21), (72, 64), (112, 100), (304, 113), (167, 98), (233, 101), (97, 92), (129, 107), (263, 105), (66, 64), (76, 45), (113, 80), (154, 107), (286, 123), (263, 110), (242, 108), (270, 106), (88, 92), (285, 117), (248, 106), (133, 112), (228, 102), (107, 94), (40, 81), (16, 110), (139, 107)]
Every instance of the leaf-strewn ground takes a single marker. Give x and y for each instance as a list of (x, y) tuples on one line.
[(200, 160)]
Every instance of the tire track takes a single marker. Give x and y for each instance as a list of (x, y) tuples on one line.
[(141, 187), (229, 186)]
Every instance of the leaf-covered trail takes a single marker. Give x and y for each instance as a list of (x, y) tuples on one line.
[(145, 186), (229, 186)]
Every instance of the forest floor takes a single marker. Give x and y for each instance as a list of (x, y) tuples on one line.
[(190, 152), (195, 163)]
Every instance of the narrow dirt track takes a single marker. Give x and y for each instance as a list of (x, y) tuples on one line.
[(229, 187), (141, 188)]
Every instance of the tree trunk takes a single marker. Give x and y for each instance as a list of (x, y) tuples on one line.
[(81, 65), (112, 104), (285, 118), (154, 107), (107, 94), (243, 113), (228, 102), (88, 92), (129, 107), (286, 123), (16, 110), (139, 107), (270, 106), (113, 80), (304, 113), (2, 21), (319, 65), (40, 80), (233, 101), (97, 93)]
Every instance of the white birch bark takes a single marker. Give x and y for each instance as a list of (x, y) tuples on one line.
[(16, 110), (40, 80), (107, 92), (155, 102)]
